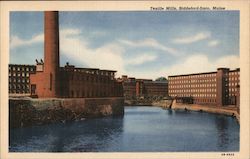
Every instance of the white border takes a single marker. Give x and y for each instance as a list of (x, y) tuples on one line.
[(6, 7)]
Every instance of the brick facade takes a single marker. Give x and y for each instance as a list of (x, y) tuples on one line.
[(45, 82), (135, 88), (19, 79), (211, 88), (129, 88), (50, 80)]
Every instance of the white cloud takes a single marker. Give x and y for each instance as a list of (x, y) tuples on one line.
[(98, 33), (200, 63), (193, 64), (105, 57), (110, 56), (194, 38), (15, 41), (149, 42), (69, 32), (143, 58), (213, 43)]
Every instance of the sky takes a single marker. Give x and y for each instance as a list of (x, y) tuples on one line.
[(140, 44)]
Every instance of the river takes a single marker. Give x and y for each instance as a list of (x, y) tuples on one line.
[(142, 129)]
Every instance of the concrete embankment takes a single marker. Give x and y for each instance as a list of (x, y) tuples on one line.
[(225, 110), (163, 103), (27, 112)]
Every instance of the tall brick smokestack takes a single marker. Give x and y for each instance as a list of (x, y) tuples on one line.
[(51, 53)]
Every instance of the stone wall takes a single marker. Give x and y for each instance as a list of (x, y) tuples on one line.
[(27, 112), (225, 110)]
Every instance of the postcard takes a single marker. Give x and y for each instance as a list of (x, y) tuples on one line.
[(125, 79)]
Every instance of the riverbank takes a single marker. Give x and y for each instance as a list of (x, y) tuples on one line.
[(224, 110), (163, 103), (28, 112)]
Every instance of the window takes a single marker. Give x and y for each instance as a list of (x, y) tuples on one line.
[(50, 87)]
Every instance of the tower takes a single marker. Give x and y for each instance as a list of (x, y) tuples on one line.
[(45, 82), (51, 52), (222, 86)]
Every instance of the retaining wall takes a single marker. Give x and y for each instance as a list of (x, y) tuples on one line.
[(225, 110), (28, 112)]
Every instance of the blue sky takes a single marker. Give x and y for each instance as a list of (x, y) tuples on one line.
[(142, 44)]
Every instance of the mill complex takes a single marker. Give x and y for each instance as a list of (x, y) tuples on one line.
[(47, 79)]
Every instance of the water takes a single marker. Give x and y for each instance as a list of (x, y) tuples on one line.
[(142, 129)]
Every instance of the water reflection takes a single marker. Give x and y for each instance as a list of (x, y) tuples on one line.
[(73, 134), (142, 129), (170, 111), (222, 131)]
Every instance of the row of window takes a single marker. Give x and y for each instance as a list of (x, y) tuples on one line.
[(23, 74), (233, 84), (233, 78), (19, 91), (18, 86), (205, 101), (192, 90), (234, 73), (90, 78), (194, 95), (200, 85), (23, 80), (21, 69), (232, 89), (193, 76), (192, 86), (193, 81), (205, 95), (97, 72), (201, 76)]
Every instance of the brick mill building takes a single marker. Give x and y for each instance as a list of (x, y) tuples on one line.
[(210, 88), (50, 80), (19, 79), (136, 88), (129, 87)]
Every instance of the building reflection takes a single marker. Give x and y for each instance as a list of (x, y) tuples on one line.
[(222, 131)]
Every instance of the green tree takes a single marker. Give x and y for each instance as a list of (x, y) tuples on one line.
[(161, 79)]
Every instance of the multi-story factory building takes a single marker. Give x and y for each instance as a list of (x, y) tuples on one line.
[(19, 79), (150, 88), (50, 80), (136, 88), (212, 88), (234, 86), (129, 87)]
